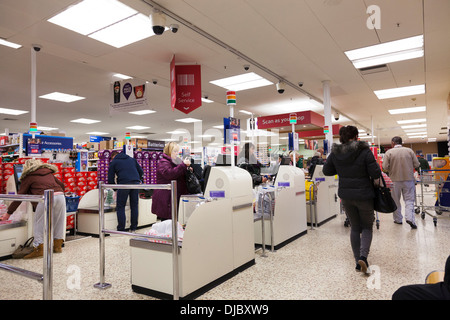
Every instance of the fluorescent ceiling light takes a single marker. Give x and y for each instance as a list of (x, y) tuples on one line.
[(142, 112), (246, 112), (89, 16), (188, 120), (62, 97), (423, 136), (13, 112), (177, 132), (207, 100), (10, 44), (400, 92), (132, 29), (399, 50), (410, 126), (411, 121), (408, 110), (98, 133), (431, 139), (218, 127), (415, 130), (46, 128), (138, 127), (169, 139), (242, 82), (85, 121), (415, 133), (366, 137), (122, 76)]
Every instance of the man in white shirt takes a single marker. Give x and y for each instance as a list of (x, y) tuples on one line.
[(400, 163)]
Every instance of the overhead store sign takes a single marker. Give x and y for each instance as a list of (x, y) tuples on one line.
[(185, 87), (128, 95), (280, 120)]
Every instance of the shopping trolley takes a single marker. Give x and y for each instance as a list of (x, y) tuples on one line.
[(435, 193)]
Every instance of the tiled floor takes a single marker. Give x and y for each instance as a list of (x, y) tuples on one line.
[(318, 265)]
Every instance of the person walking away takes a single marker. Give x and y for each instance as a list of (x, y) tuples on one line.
[(35, 179), (170, 167), (128, 171), (355, 164), (399, 162)]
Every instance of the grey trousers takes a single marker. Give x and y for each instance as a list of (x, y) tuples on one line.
[(361, 216), (58, 220)]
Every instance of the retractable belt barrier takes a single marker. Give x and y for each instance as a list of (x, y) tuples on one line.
[(173, 187), (47, 277)]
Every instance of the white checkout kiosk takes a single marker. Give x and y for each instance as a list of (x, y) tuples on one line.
[(326, 201), (88, 214), (218, 241), (19, 228), (289, 211)]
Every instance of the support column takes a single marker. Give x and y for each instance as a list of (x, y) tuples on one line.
[(327, 113)]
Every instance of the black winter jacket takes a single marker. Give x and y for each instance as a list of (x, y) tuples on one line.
[(354, 163), (127, 169)]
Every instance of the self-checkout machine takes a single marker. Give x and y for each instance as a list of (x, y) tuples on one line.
[(19, 227), (217, 240), (326, 198)]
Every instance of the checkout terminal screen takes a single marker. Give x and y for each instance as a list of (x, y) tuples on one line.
[(18, 168)]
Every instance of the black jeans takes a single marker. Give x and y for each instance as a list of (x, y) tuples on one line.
[(122, 196), (361, 216)]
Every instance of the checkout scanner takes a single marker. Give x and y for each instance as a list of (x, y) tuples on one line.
[(327, 202), (217, 242)]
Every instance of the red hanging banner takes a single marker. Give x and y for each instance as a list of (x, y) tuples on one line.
[(186, 87)]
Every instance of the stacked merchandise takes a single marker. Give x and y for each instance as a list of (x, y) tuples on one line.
[(146, 166), (2, 187), (104, 157), (91, 180), (81, 183), (69, 179), (154, 159)]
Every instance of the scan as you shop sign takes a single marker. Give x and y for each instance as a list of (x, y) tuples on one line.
[(128, 95)]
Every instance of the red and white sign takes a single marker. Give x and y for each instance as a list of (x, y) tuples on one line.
[(280, 120), (186, 87)]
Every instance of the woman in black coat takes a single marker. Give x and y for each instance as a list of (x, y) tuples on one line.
[(354, 163)]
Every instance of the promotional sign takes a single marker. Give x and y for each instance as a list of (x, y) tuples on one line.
[(34, 147), (232, 130), (185, 87), (280, 120), (51, 142), (293, 140), (128, 95)]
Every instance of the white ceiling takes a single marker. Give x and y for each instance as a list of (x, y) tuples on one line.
[(295, 40)]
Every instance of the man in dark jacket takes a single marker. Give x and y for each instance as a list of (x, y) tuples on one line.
[(128, 171), (354, 163)]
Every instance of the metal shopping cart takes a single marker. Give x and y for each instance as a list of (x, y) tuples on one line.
[(434, 193)]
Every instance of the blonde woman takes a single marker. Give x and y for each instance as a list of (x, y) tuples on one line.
[(35, 179), (170, 167)]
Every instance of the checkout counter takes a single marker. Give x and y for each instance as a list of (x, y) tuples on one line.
[(218, 240), (88, 214), (289, 210), (326, 199)]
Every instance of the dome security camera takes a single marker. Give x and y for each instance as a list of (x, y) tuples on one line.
[(174, 28), (37, 47), (300, 84), (155, 81), (336, 116), (246, 67), (158, 22), (280, 87)]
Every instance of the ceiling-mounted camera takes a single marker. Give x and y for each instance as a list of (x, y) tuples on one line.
[(280, 87), (37, 47), (155, 81), (158, 22), (336, 116), (300, 84), (246, 67), (174, 27)]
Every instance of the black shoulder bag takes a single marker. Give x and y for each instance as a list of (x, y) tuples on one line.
[(383, 201)]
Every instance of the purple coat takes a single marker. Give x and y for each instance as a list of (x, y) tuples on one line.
[(165, 173)]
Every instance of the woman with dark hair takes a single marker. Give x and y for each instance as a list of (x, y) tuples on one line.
[(247, 161), (354, 163)]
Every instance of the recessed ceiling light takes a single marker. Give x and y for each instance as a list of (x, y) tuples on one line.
[(137, 127), (177, 132), (188, 120), (408, 110), (422, 136), (85, 121), (415, 130), (431, 139), (242, 82), (366, 137), (13, 112), (62, 97), (246, 112), (98, 133), (89, 16), (400, 92), (10, 44), (46, 128), (125, 32), (122, 76), (415, 133), (414, 126), (219, 126), (411, 121), (399, 50), (142, 112)]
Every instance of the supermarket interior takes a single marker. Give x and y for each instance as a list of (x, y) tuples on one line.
[(81, 80)]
